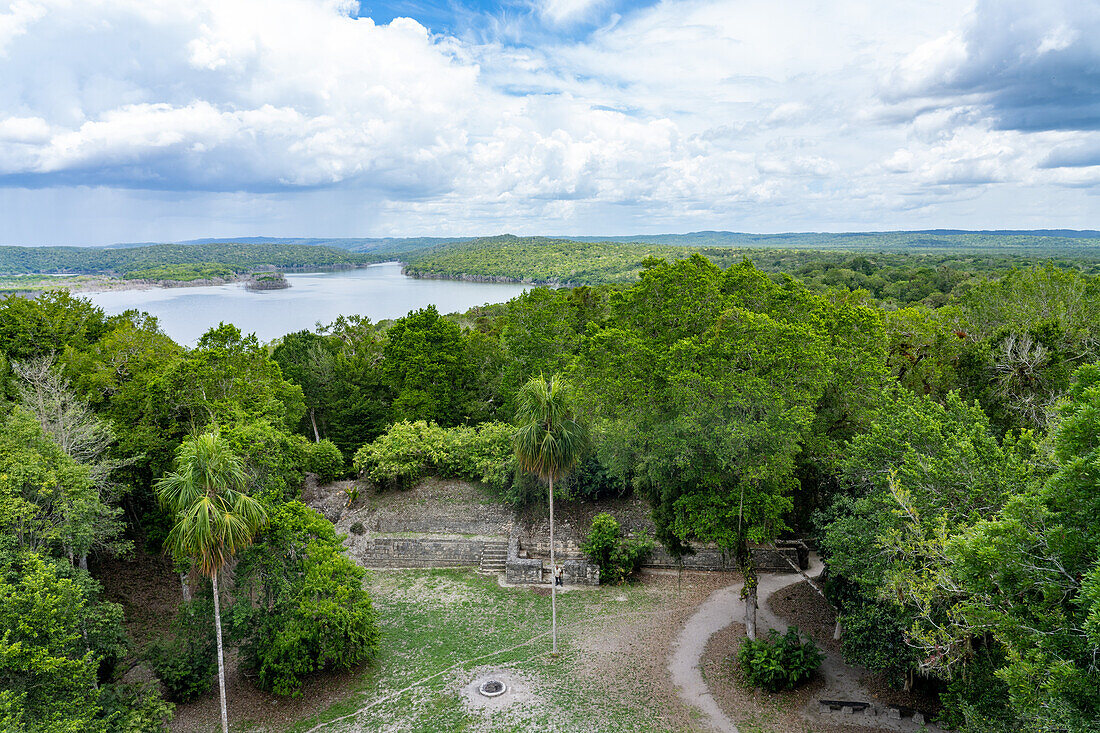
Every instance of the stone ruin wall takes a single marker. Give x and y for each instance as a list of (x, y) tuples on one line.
[(444, 523)]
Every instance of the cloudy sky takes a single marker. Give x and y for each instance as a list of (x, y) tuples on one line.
[(138, 120)]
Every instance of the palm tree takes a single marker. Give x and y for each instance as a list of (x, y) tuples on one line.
[(548, 443), (214, 518)]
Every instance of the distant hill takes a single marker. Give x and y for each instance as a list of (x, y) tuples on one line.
[(377, 245), (568, 260), (591, 262), (1037, 242), (154, 261)]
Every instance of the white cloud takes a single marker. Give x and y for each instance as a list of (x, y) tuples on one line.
[(564, 12), (686, 114)]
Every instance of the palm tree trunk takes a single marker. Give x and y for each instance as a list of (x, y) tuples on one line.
[(221, 661), (553, 578)]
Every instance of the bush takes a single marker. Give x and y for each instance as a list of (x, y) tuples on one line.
[(617, 556), (874, 637), (408, 450), (300, 603), (325, 459), (187, 663), (134, 709), (592, 481), (779, 662)]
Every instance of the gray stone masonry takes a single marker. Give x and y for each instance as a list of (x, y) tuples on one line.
[(448, 523), (579, 572), (494, 557), (416, 552), (521, 570)]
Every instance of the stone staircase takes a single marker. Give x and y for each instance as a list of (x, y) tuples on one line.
[(494, 556)]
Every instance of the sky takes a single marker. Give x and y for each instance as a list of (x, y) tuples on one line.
[(147, 120)]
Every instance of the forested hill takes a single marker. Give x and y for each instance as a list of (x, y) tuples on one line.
[(368, 245), (538, 259), (1034, 243), (893, 273), (875, 261), (164, 261)]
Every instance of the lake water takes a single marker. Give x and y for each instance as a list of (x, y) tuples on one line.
[(377, 292)]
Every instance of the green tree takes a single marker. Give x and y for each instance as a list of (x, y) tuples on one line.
[(1031, 575), (301, 606), (214, 517), (52, 321), (55, 639), (548, 442), (358, 401), (48, 502), (425, 366), (307, 359), (921, 475), (705, 385)]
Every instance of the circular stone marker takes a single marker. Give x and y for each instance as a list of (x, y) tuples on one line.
[(492, 688)]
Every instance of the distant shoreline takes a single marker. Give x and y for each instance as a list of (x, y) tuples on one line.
[(92, 283)]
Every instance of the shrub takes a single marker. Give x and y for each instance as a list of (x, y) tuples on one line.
[(408, 450), (134, 708), (617, 556), (325, 459), (778, 662), (591, 480), (399, 456), (874, 637), (300, 603), (357, 528), (186, 664)]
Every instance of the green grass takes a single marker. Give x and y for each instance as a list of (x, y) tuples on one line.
[(441, 626)]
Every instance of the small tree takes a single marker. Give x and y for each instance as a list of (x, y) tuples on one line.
[(214, 518), (618, 557), (548, 444)]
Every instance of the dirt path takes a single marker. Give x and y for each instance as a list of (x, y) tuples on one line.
[(725, 607)]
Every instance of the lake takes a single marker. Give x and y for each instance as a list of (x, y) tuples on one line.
[(377, 292)]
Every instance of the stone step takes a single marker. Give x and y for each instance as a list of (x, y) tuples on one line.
[(494, 557)]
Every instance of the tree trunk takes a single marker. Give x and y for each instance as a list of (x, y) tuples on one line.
[(84, 561), (750, 607), (553, 578), (221, 661), (313, 419), (185, 587), (837, 631)]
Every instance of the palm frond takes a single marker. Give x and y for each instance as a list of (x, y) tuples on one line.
[(214, 517), (549, 440)]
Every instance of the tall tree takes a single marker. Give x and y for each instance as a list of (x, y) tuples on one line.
[(548, 443), (214, 517), (426, 367), (705, 385), (1031, 576), (307, 359)]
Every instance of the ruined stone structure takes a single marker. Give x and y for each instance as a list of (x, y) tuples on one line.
[(444, 523)]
